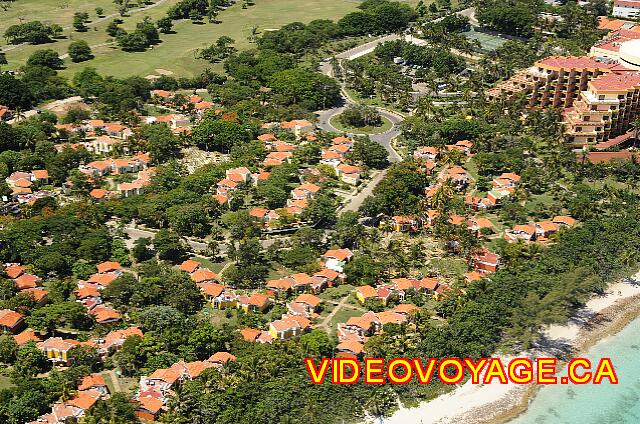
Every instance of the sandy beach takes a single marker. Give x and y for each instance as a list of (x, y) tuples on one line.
[(497, 403)]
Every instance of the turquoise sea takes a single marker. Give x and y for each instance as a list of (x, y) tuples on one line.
[(597, 404)]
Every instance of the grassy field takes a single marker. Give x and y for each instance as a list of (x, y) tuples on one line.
[(177, 51), (51, 11)]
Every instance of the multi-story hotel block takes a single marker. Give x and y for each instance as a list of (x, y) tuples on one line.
[(608, 107), (553, 82), (598, 94)]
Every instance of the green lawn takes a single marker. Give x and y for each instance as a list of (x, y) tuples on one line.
[(5, 382), (177, 51), (213, 266), (52, 11), (343, 315), (386, 126)]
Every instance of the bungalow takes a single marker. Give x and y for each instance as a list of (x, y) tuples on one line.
[(115, 339), (426, 153), (257, 302), (472, 276), (330, 158), (204, 275), (464, 146), (428, 284), (103, 144), (281, 286), (298, 126), (27, 281), (349, 174), (304, 191), (109, 266), (95, 382), (479, 224), (250, 334), (300, 281), (429, 167), (259, 214), (221, 358), (564, 221), (148, 408), (495, 197), (524, 232), (308, 302), (219, 296), (336, 259), (458, 176), (101, 195), (189, 266), (163, 96), (405, 223), (13, 270), (161, 380), (545, 228), (366, 292), (103, 280), (57, 350), (332, 276), (226, 185), (406, 309), (26, 336), (11, 321), (350, 347), (288, 327), (105, 315), (134, 188), (5, 113), (484, 261), (283, 146), (40, 295), (239, 175)]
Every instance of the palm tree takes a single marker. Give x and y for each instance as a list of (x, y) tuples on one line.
[(636, 130)]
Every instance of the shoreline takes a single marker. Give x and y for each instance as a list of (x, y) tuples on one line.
[(601, 317)]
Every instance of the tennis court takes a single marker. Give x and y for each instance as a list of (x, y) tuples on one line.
[(487, 42)]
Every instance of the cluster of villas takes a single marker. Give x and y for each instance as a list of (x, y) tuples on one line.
[(91, 389), (353, 334), (300, 311), (27, 187), (189, 103), (156, 389), (102, 137), (89, 292), (538, 231), (334, 156)]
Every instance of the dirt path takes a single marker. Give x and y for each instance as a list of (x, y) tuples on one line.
[(339, 305), (114, 378)]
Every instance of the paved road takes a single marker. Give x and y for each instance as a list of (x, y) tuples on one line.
[(383, 139), (96, 22), (196, 246), (354, 203), (367, 48)]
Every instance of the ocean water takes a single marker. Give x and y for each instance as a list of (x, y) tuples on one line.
[(595, 404)]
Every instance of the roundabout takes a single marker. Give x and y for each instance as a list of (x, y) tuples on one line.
[(366, 130)]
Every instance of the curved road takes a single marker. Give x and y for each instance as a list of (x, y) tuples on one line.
[(384, 139)]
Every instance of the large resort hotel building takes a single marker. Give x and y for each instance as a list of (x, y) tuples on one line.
[(599, 93)]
